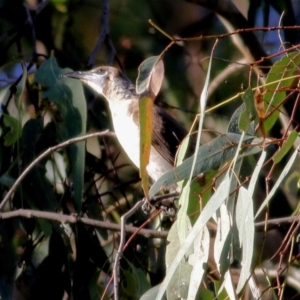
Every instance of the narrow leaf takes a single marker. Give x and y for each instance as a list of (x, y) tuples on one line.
[(245, 226), (178, 285), (213, 204), (249, 113), (201, 252), (68, 96), (20, 87), (287, 145), (145, 115), (279, 77), (183, 200), (15, 130), (223, 240), (209, 157), (278, 182), (256, 173)]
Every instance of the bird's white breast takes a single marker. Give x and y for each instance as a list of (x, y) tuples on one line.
[(128, 134)]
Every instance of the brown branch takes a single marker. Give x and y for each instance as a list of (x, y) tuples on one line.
[(277, 223), (28, 213), (73, 219), (46, 153), (229, 11)]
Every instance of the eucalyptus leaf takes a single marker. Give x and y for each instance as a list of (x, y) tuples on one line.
[(179, 283), (151, 75), (279, 77), (283, 174), (287, 145), (210, 156), (68, 96), (249, 114), (245, 226), (15, 130), (213, 204)]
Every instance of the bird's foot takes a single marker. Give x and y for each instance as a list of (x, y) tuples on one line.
[(164, 202)]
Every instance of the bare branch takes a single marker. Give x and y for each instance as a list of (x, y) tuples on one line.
[(46, 153), (73, 219)]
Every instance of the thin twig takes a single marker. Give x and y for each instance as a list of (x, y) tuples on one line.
[(137, 206), (46, 153), (28, 213), (104, 32), (276, 223)]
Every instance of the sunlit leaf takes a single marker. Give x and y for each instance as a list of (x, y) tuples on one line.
[(256, 173), (199, 261), (210, 156), (151, 75), (249, 114), (223, 240), (148, 84), (213, 204), (245, 226), (287, 145), (278, 182), (280, 76), (152, 293), (145, 115), (183, 200), (179, 283)]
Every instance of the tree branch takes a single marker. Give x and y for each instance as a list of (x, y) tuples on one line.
[(73, 219), (46, 153), (228, 11)]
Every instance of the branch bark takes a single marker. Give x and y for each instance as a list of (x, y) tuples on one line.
[(229, 11)]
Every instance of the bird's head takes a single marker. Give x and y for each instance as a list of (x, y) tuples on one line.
[(106, 81)]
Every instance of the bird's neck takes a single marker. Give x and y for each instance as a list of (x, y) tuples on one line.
[(123, 101)]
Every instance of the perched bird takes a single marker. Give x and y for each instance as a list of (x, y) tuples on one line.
[(123, 103)]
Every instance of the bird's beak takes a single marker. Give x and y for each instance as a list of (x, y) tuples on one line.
[(85, 76), (95, 80)]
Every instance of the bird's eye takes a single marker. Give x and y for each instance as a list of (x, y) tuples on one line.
[(102, 72)]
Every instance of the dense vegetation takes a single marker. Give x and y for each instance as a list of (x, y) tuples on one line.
[(65, 182)]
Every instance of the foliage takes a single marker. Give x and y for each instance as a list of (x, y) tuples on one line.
[(64, 193)]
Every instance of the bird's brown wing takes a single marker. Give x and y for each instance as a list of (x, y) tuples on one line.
[(167, 134)]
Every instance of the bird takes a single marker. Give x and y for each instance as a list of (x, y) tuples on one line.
[(123, 102)]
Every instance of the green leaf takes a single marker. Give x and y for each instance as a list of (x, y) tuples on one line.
[(206, 294), (249, 114), (278, 182), (210, 156), (136, 282), (213, 204), (152, 293), (148, 84), (245, 226), (198, 185), (180, 281), (199, 260), (280, 76), (151, 75), (20, 88), (15, 130), (183, 200), (256, 173), (145, 119), (68, 96), (223, 240), (287, 145)]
